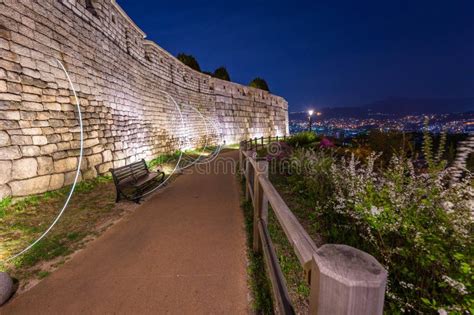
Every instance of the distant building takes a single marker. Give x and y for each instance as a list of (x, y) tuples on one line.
[(469, 127)]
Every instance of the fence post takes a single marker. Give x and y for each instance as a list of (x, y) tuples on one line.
[(247, 175), (241, 156), (260, 203), (345, 280)]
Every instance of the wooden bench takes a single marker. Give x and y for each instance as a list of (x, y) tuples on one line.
[(133, 180)]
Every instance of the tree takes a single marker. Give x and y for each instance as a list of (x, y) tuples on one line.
[(259, 83), (221, 73), (189, 61)]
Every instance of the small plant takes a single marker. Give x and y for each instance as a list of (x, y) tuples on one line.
[(43, 274), (164, 158), (433, 160), (4, 203)]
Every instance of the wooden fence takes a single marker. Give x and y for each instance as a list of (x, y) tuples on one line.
[(342, 279), (262, 142)]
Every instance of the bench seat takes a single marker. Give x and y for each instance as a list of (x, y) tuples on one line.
[(133, 180)]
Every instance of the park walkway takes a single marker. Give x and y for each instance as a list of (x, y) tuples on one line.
[(181, 252)]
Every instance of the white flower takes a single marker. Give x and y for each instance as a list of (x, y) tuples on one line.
[(455, 284), (448, 206), (442, 311), (375, 211)]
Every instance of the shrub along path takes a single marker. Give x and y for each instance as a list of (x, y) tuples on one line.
[(182, 251)]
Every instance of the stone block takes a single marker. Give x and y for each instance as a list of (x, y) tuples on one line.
[(40, 140), (49, 149), (6, 287), (94, 160), (30, 102), (89, 173), (56, 182), (32, 131), (65, 165), (104, 168), (4, 139), (30, 150), (32, 186), (21, 140), (5, 172), (45, 165), (70, 177), (8, 114), (3, 86), (52, 106), (107, 156), (10, 153), (24, 168)]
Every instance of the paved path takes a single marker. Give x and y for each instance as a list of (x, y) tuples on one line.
[(181, 252)]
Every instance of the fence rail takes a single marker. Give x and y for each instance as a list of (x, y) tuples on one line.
[(342, 279), (255, 143)]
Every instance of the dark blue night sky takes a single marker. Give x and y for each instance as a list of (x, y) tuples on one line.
[(324, 53)]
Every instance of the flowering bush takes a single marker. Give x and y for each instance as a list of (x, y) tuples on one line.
[(326, 143), (419, 226)]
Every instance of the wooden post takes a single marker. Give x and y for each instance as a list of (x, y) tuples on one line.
[(345, 280), (260, 209), (241, 157), (247, 175), (284, 137), (276, 138)]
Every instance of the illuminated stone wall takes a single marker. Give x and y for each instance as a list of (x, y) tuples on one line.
[(123, 82)]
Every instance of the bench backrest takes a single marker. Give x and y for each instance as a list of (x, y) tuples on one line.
[(130, 172)]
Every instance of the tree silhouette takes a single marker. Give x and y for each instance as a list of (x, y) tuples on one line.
[(259, 83), (189, 61), (221, 73)]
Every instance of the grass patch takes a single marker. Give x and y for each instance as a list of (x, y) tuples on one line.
[(164, 159), (259, 282), (43, 274), (23, 221), (298, 289)]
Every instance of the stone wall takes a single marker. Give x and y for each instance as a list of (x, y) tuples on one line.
[(123, 83)]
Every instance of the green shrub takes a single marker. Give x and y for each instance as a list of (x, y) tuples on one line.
[(302, 139)]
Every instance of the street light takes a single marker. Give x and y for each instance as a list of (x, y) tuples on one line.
[(310, 113)]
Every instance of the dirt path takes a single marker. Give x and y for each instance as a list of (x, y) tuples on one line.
[(182, 252)]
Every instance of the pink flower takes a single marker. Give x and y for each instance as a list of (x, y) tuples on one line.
[(326, 143)]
